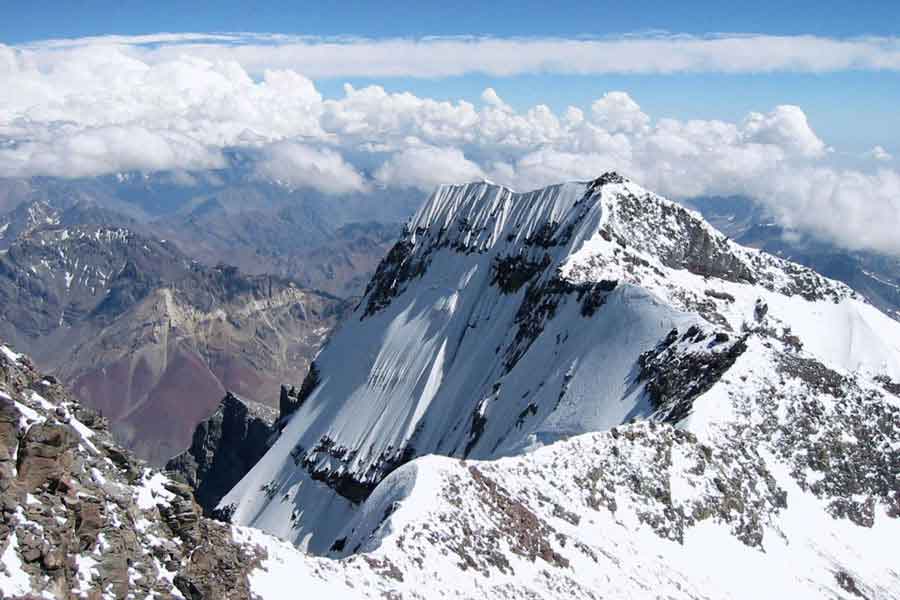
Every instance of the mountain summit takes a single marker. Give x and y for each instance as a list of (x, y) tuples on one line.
[(616, 361)]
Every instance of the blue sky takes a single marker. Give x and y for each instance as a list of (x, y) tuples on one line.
[(29, 21)]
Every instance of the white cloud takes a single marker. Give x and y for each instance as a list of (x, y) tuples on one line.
[(81, 108), (424, 167), (489, 96), (880, 154), (616, 111), (298, 165), (855, 210), (441, 57), (70, 152), (786, 127)]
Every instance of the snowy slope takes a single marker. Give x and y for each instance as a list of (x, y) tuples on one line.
[(746, 509), (787, 494), (504, 322)]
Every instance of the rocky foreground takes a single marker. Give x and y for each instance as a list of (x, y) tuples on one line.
[(801, 507), (82, 518)]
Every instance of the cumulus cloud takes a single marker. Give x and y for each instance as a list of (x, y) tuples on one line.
[(70, 152), (616, 111), (298, 165), (489, 96), (424, 167), (785, 127), (880, 154), (855, 210), (81, 108)]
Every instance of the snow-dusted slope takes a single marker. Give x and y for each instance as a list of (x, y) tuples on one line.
[(782, 493), (788, 494), (503, 322)]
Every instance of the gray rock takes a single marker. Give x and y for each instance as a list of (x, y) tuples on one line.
[(224, 448)]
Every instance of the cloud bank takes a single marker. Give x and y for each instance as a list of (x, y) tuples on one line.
[(442, 56), (89, 107)]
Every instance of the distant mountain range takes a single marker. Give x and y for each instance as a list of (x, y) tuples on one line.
[(151, 337), (331, 243), (144, 290)]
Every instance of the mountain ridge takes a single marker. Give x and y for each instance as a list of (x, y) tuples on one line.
[(503, 322), (143, 332), (872, 274)]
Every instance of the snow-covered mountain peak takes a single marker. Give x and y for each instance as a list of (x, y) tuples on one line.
[(576, 218), (608, 229), (480, 215), (502, 322)]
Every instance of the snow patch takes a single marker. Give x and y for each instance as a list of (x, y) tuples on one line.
[(14, 580)]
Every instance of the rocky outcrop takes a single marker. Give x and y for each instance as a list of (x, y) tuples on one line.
[(224, 447), (287, 401), (218, 567), (874, 275), (45, 456), (294, 399), (82, 518), (684, 366), (393, 272)]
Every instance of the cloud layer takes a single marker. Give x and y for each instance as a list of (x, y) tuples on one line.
[(89, 107), (442, 57)]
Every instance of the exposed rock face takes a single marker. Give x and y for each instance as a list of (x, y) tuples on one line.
[(45, 456), (393, 272), (697, 249), (875, 276), (287, 401), (224, 447), (149, 337), (684, 366), (82, 518)]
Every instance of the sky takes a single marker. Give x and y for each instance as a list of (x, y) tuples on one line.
[(30, 21), (794, 104)]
